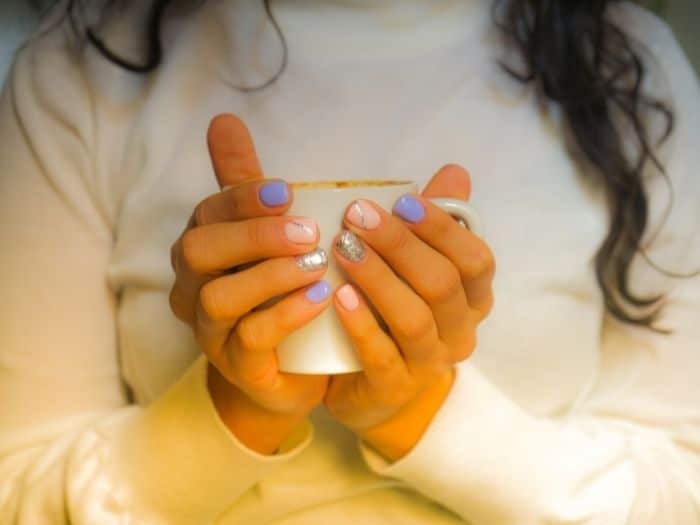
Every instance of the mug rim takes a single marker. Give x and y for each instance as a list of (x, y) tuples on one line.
[(347, 184)]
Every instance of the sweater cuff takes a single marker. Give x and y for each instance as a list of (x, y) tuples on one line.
[(490, 461), (182, 461), (463, 459), (444, 430)]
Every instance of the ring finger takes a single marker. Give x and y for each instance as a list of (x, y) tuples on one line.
[(208, 251), (249, 359), (224, 300), (408, 317)]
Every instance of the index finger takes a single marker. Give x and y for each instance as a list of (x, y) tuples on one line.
[(247, 200), (232, 151)]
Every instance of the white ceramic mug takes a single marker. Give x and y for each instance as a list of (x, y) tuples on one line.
[(322, 346)]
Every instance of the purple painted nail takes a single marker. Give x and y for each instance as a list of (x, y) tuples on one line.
[(408, 208), (274, 193), (318, 292)]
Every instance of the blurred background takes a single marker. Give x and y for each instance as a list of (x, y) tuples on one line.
[(17, 18)]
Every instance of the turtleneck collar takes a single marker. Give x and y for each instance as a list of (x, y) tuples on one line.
[(320, 30)]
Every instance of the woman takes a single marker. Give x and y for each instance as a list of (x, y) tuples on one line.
[(139, 381)]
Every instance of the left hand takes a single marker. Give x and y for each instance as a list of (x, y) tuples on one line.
[(429, 279)]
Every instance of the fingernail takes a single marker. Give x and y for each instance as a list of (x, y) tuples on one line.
[(317, 292), (312, 261), (274, 193), (300, 230), (408, 208), (348, 297), (350, 246), (363, 215)]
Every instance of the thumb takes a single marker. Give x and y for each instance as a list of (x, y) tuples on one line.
[(452, 180), (232, 151)]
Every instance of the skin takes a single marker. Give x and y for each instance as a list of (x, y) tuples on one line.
[(432, 316)]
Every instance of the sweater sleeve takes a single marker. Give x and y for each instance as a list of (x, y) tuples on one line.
[(628, 451), (72, 449)]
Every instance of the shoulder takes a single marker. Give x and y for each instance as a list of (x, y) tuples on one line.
[(45, 90), (58, 65), (654, 39), (640, 21)]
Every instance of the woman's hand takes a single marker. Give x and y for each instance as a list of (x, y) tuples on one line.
[(429, 280), (243, 227)]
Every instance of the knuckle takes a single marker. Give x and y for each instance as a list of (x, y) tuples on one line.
[(417, 328), (403, 391), (443, 284), (489, 303), (213, 301), (200, 214), (172, 300), (480, 262), (365, 336), (485, 307), (383, 363), (444, 229), (405, 396), (399, 239), (466, 345), (191, 249), (273, 277), (176, 305), (430, 369), (265, 380), (249, 337), (486, 260), (256, 232), (173, 255), (234, 201), (283, 316)]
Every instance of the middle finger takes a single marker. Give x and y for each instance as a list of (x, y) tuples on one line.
[(251, 198), (216, 247)]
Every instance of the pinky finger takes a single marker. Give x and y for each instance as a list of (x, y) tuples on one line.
[(251, 354), (379, 356)]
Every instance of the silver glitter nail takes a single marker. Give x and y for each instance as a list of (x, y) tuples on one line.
[(350, 246), (312, 261)]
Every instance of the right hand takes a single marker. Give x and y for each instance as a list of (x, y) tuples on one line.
[(257, 402)]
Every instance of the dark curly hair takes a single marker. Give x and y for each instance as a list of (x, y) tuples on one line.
[(579, 59)]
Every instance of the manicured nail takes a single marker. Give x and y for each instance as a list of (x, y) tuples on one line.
[(362, 214), (408, 208), (274, 193), (350, 246), (312, 261), (318, 292), (348, 297), (300, 230)]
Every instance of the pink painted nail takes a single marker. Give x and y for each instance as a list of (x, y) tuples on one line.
[(348, 297), (300, 230), (363, 215)]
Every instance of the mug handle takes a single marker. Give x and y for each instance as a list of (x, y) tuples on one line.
[(459, 209)]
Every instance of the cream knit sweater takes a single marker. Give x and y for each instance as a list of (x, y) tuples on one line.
[(562, 416)]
